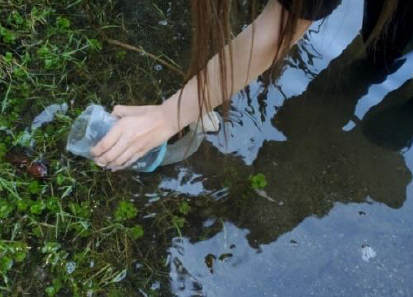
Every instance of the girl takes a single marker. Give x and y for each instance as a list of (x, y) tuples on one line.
[(210, 82)]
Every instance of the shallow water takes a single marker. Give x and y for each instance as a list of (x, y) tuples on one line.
[(334, 144)]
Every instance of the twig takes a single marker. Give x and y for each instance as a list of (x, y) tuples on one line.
[(141, 50), (128, 46)]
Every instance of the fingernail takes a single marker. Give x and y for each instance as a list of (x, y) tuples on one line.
[(100, 164)]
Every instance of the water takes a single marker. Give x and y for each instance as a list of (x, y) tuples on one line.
[(334, 145)]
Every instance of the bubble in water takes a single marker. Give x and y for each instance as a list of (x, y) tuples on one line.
[(155, 286), (138, 265), (367, 253), (70, 267)]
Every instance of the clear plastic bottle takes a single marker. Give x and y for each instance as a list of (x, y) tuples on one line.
[(190, 142), (95, 122), (92, 125)]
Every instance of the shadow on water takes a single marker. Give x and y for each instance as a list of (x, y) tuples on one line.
[(335, 217)]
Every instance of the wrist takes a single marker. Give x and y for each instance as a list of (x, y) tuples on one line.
[(170, 115), (181, 113)]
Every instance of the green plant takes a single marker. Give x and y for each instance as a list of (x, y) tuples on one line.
[(136, 232), (184, 208), (37, 207), (126, 210), (55, 287), (258, 181), (7, 35), (51, 54), (6, 208), (34, 187), (10, 253), (178, 221), (81, 210)]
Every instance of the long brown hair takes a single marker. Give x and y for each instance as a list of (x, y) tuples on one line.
[(212, 30)]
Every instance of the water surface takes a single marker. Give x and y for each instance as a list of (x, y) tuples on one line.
[(333, 139)]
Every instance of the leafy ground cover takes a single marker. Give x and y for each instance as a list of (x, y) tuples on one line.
[(68, 228)]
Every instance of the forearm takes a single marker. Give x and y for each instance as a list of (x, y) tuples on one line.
[(264, 49)]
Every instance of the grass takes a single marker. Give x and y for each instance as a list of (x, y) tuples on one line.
[(67, 228)]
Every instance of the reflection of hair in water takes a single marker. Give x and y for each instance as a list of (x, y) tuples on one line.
[(390, 44)]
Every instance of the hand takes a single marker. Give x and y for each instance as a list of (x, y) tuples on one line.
[(139, 129)]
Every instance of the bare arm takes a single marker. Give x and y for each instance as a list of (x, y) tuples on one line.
[(143, 127), (263, 52)]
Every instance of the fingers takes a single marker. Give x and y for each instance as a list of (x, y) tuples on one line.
[(107, 142), (112, 155), (126, 159)]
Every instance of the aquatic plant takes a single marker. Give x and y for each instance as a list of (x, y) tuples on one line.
[(258, 181)]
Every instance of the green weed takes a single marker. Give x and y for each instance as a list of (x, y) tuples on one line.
[(258, 181), (72, 231)]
